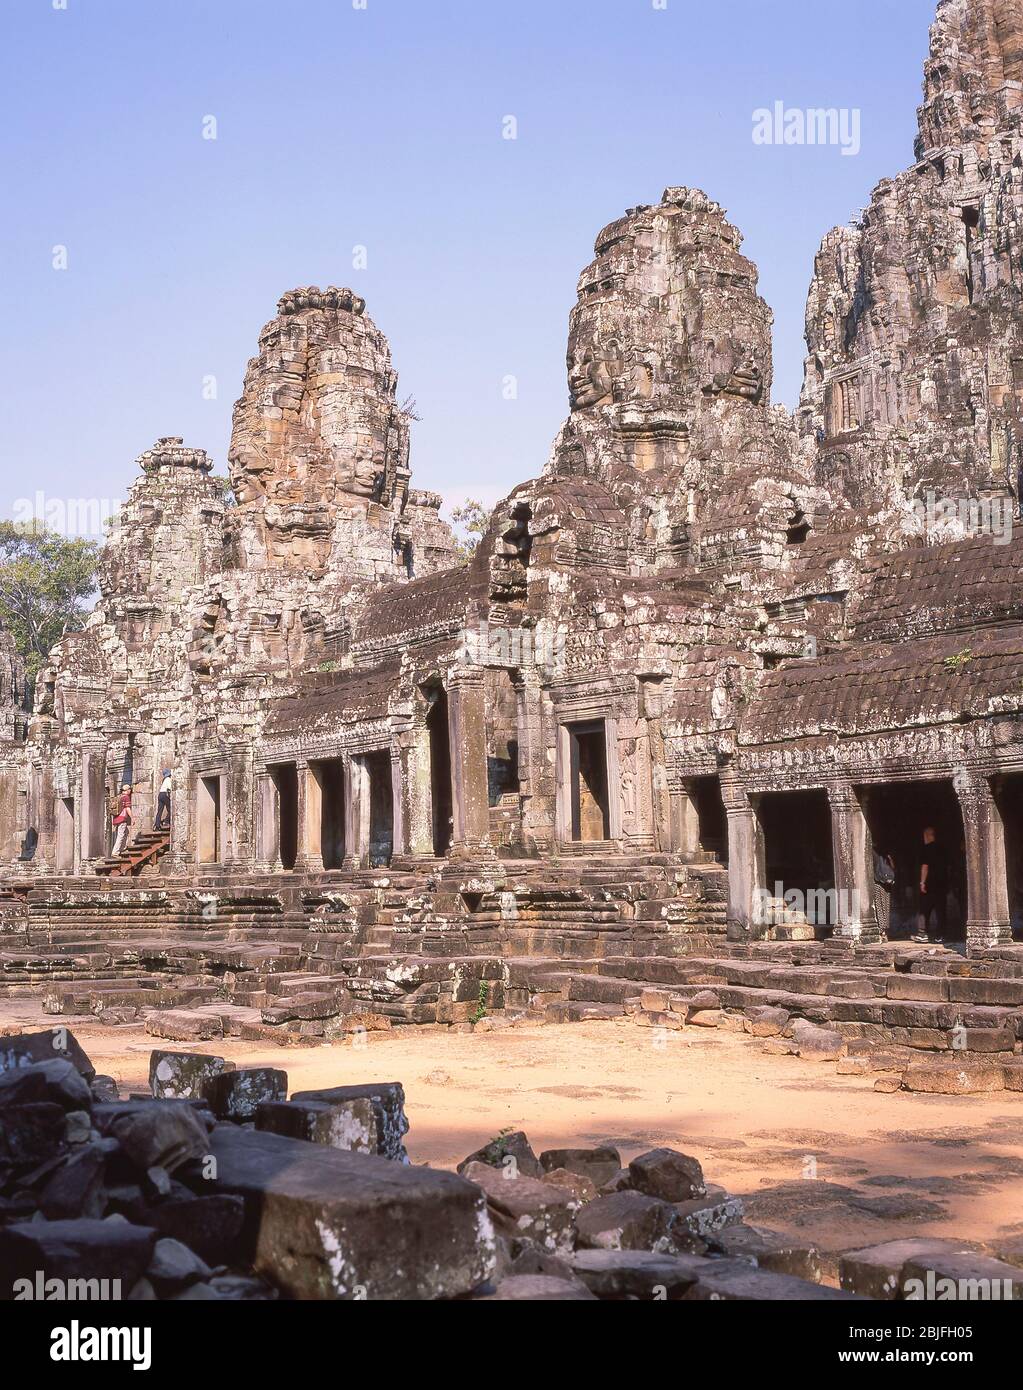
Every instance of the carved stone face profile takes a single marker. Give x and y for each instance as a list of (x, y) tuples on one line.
[(592, 369)]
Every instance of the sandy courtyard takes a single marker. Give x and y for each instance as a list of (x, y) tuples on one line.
[(812, 1152)]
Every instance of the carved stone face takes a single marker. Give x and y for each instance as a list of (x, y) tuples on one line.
[(368, 469), (591, 373), (317, 417), (735, 372)]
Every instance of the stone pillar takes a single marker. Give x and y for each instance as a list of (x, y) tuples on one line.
[(356, 812), (93, 802), (854, 879), (418, 793), (310, 820), (468, 735), (745, 861), (987, 882), (399, 841), (264, 799), (685, 823), (181, 854)]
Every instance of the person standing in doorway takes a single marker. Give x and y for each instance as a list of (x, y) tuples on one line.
[(884, 887), (933, 889), (163, 804), (122, 820)]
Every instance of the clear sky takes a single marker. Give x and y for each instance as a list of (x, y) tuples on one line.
[(382, 127)]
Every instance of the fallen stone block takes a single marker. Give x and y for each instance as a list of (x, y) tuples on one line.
[(637, 1274), (22, 1049), (954, 1076), (349, 1125), (527, 1208), (628, 1221), (209, 1225), (877, 1270), (985, 1040), (173, 1266), (31, 1133), (600, 1165), (160, 1134), (76, 1188), (237, 1095), (184, 1025), (573, 1183), (320, 1223), (816, 1044), (388, 1101), (960, 1276), (511, 1152), (763, 1021), (703, 1216), (667, 1174), (769, 1250), (184, 1075), (707, 1018), (84, 1256)]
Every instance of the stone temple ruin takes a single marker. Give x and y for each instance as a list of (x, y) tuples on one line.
[(697, 671)]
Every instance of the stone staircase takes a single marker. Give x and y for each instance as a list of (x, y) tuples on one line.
[(143, 852)]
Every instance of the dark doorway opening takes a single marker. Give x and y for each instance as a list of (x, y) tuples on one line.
[(286, 781), (330, 775), (705, 794), (797, 850), (381, 807), (591, 808), (897, 815), (440, 772), (1009, 793)]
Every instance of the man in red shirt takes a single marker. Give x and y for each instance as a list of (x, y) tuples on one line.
[(122, 820)]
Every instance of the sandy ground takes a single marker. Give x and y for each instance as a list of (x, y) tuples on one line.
[(813, 1153)]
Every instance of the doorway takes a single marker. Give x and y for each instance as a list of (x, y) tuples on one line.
[(591, 807)]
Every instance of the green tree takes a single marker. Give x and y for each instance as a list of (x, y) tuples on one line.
[(46, 581), (470, 520)]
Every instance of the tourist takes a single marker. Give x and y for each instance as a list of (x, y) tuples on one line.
[(884, 880), (933, 888), (163, 805), (122, 820)]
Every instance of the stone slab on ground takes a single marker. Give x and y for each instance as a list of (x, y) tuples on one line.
[(323, 1224), (388, 1100), (877, 1270)]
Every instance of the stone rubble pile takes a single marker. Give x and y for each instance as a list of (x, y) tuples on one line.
[(216, 1186)]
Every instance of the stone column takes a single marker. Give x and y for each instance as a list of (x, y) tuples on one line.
[(356, 821), (468, 735), (987, 881), (93, 803), (181, 854), (745, 866), (854, 881), (418, 793), (399, 840), (268, 856), (309, 859)]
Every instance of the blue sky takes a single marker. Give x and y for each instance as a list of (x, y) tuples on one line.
[(381, 127)]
